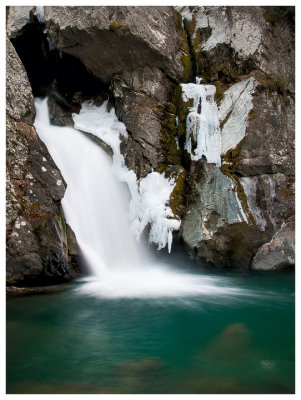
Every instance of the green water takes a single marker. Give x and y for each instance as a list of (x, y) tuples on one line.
[(69, 343)]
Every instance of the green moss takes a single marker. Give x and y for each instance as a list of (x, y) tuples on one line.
[(186, 60), (35, 206), (175, 127), (219, 93), (274, 84), (172, 155), (111, 15), (225, 120), (114, 26), (62, 223), (274, 14), (252, 115), (187, 68), (177, 197), (286, 192)]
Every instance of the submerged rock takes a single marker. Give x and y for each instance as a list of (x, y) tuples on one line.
[(232, 344)]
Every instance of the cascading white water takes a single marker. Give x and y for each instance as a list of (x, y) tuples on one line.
[(95, 208)]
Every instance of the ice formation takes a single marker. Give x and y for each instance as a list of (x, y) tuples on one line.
[(150, 195), (202, 124)]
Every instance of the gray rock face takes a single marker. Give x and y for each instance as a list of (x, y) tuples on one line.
[(17, 19), (37, 245), (215, 224), (250, 33), (279, 253), (110, 39), (19, 99), (140, 98), (235, 49), (135, 49), (20, 16)]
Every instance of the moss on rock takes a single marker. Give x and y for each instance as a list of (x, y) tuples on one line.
[(174, 129), (177, 197)]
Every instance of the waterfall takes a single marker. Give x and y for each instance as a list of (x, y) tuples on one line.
[(95, 206)]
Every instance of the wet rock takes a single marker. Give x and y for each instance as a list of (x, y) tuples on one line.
[(216, 223), (177, 196), (125, 37), (279, 253)]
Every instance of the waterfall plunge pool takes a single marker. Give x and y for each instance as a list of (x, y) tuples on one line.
[(72, 343)]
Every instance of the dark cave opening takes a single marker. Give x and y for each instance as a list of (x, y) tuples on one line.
[(51, 70)]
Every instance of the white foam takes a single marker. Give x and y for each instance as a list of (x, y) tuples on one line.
[(158, 281)]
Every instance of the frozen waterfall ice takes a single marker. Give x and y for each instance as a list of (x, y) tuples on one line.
[(202, 126)]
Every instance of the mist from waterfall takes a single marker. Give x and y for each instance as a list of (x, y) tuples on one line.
[(96, 206)]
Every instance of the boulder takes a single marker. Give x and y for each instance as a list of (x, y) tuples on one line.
[(279, 252)]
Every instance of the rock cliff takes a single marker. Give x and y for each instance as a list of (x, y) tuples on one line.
[(41, 248), (234, 191), (236, 49)]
